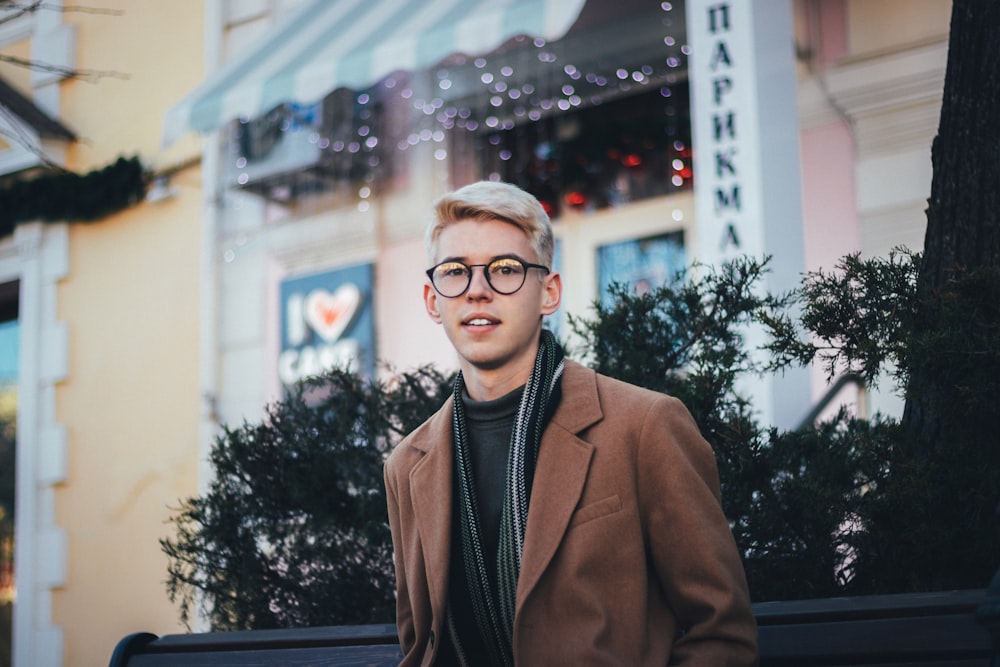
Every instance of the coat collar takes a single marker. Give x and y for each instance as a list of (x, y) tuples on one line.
[(579, 409), (563, 463)]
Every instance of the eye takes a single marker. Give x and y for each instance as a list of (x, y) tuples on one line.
[(506, 267), (452, 270)]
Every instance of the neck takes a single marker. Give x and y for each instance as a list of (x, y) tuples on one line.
[(488, 383)]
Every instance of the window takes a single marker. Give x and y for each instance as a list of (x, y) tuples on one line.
[(596, 119), (643, 264), (9, 355), (605, 155)]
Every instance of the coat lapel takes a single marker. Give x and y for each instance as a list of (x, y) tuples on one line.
[(431, 489), (560, 475)]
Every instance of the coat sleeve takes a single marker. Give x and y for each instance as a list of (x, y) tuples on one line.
[(691, 543)]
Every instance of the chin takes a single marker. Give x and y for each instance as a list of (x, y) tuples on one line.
[(486, 363)]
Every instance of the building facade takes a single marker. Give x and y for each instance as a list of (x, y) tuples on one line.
[(108, 312), (282, 241), (865, 100)]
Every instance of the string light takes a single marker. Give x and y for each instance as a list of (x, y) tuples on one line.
[(482, 96)]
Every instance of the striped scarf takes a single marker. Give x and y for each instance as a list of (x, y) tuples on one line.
[(494, 614)]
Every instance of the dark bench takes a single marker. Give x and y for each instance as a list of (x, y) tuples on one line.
[(370, 645), (924, 629)]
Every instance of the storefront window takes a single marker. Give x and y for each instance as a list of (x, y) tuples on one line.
[(9, 343), (610, 154), (642, 264), (597, 119)]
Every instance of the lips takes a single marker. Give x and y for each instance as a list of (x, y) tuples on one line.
[(480, 321)]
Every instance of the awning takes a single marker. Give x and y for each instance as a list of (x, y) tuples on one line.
[(327, 45)]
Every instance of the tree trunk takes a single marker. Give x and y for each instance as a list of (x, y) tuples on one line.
[(963, 213)]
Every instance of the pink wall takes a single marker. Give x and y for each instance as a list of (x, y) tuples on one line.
[(407, 338), (831, 227)]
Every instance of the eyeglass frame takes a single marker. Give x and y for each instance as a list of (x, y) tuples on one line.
[(486, 274)]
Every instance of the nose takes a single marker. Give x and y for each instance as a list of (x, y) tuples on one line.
[(479, 286)]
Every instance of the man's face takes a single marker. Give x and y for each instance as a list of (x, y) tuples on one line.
[(493, 333)]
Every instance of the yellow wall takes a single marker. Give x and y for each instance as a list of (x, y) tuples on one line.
[(16, 76), (131, 304), (155, 52), (131, 404)]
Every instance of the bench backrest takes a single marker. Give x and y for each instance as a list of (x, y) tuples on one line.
[(898, 630), (908, 630), (370, 645)]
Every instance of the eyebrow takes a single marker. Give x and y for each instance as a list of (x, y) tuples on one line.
[(463, 260)]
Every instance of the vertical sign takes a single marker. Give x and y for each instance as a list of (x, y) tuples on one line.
[(327, 321), (746, 157), (724, 122)]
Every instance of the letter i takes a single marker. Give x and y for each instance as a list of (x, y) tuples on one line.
[(295, 321)]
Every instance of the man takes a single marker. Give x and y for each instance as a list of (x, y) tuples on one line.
[(548, 515)]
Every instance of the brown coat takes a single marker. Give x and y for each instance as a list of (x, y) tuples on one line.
[(628, 558)]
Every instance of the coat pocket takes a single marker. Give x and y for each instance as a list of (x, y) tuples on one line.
[(596, 510)]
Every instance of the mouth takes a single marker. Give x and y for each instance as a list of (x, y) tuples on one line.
[(480, 322)]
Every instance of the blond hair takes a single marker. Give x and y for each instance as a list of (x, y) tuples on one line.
[(489, 200)]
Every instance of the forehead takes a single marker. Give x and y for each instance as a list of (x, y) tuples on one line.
[(482, 239)]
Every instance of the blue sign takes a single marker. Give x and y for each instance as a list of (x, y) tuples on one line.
[(327, 321)]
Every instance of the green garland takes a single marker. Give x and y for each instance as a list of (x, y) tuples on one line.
[(70, 197)]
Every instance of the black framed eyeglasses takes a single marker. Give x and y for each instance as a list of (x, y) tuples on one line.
[(504, 274)]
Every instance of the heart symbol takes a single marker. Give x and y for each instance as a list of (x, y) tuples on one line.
[(330, 314)]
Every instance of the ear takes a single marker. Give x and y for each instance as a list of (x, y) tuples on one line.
[(430, 302), (551, 293)]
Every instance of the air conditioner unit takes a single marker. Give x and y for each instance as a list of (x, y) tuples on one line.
[(342, 141), (278, 155)]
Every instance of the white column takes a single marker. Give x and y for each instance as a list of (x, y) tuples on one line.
[(208, 424), (40, 545), (746, 160)]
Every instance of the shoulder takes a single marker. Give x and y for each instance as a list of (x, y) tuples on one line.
[(618, 390), (597, 403), (417, 443), (658, 428), (614, 394)]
